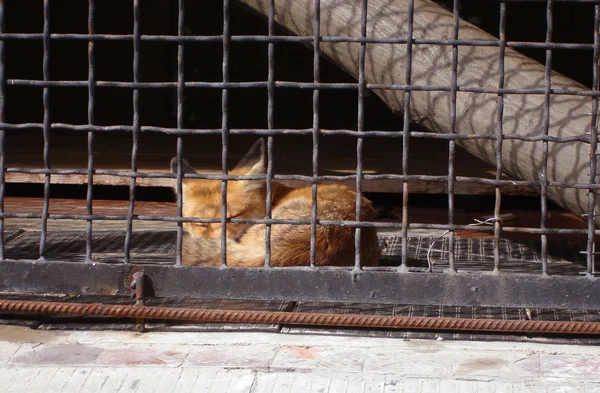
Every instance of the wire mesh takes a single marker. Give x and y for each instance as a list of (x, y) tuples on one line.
[(183, 81)]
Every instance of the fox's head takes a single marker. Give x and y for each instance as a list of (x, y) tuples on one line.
[(245, 198)]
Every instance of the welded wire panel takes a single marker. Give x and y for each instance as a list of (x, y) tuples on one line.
[(182, 81)]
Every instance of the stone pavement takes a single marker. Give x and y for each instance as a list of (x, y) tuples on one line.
[(34, 361)]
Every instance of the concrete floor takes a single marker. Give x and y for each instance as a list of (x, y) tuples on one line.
[(34, 361)]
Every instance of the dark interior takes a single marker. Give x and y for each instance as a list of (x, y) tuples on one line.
[(573, 22)]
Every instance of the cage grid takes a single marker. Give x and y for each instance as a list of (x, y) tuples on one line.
[(356, 283)]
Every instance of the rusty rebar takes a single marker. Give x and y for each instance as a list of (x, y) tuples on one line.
[(301, 318)]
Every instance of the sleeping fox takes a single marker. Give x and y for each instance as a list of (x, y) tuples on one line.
[(290, 244)]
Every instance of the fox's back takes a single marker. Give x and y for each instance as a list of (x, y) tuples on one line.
[(334, 243)]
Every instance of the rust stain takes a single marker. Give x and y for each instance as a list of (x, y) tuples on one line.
[(139, 357), (20, 334), (51, 354), (478, 364), (304, 352)]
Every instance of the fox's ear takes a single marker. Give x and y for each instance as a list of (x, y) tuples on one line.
[(253, 162), (185, 166)]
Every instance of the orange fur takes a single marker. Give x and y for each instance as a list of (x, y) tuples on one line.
[(290, 244)]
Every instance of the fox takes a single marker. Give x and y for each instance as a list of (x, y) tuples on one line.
[(290, 244)]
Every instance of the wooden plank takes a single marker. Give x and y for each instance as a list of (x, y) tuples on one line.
[(291, 156), (391, 186), (428, 215)]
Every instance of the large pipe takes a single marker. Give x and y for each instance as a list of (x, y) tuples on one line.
[(478, 67)]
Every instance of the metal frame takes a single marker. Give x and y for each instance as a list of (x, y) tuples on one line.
[(282, 284), (358, 284)]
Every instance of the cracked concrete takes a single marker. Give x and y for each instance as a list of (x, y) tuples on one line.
[(40, 361)]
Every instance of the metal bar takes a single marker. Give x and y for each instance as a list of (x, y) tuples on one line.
[(91, 104), (406, 134), (180, 125), (591, 225), (141, 312), (298, 85), (224, 131), (138, 286), (46, 128), (332, 178), (298, 39), (349, 223), (136, 128), (360, 127), (270, 125), (299, 131), (315, 132), (499, 138), (289, 284), (546, 126), (451, 142), (2, 131)]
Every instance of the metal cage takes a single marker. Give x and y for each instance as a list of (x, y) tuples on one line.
[(401, 284)]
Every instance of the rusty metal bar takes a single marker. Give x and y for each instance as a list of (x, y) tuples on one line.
[(297, 131), (136, 128), (89, 200), (299, 85), (546, 125), (225, 128), (316, 130), (360, 128), (302, 318), (406, 137), (326, 178), (361, 224), (451, 142), (138, 286), (270, 125), (46, 127), (180, 120), (499, 137), (299, 39)]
